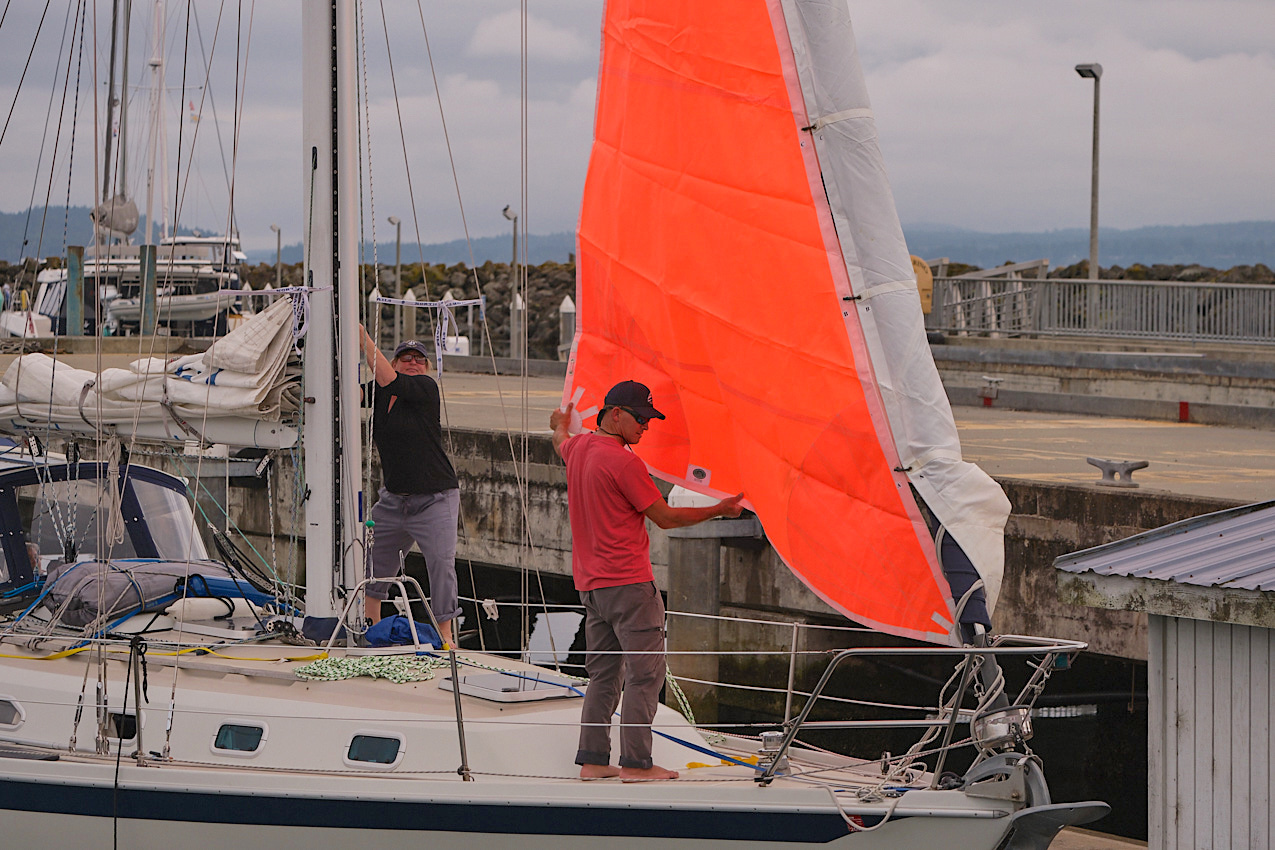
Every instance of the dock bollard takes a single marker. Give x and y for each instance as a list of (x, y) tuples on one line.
[(1117, 473), (990, 390)]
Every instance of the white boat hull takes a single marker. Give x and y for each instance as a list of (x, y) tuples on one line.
[(198, 307), (167, 807), (25, 323), (300, 789)]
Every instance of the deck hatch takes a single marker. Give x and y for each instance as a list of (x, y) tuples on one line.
[(516, 687)]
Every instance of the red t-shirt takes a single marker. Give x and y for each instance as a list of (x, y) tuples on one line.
[(608, 488)]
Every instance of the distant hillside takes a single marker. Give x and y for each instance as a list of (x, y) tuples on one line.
[(552, 247), (60, 228), (556, 247), (14, 226), (1219, 245)]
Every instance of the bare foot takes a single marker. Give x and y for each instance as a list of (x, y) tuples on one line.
[(598, 771), (634, 774)]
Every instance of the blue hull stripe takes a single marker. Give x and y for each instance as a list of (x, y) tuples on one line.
[(814, 828)]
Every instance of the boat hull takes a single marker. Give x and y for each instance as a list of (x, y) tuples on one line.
[(24, 323), (174, 807), (175, 308)]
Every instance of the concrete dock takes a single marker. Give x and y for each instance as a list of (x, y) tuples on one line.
[(1198, 460)]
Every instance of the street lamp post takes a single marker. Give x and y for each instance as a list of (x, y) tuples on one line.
[(508, 213), (278, 256), (398, 280), (1093, 71), (514, 315)]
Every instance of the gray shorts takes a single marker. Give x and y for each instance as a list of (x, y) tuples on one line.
[(430, 520)]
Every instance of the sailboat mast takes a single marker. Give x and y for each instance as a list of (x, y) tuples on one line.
[(122, 148), (110, 103), (330, 200), (158, 136)]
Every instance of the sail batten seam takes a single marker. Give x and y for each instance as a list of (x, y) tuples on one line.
[(843, 115)]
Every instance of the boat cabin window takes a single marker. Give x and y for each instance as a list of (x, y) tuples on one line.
[(6, 575), (11, 713), (169, 519), (122, 726), (56, 511), (374, 749), (239, 738)]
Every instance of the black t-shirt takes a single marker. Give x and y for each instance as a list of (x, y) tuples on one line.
[(409, 436)]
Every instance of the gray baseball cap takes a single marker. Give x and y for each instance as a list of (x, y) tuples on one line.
[(412, 345)]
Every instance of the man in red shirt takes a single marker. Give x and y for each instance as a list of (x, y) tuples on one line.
[(610, 496)]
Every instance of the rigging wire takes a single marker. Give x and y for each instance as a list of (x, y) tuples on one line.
[(44, 139), (75, 115), (520, 473), (363, 135), (100, 655), (227, 171), (55, 511), (27, 65)]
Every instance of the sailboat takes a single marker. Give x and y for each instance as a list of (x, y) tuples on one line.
[(151, 696)]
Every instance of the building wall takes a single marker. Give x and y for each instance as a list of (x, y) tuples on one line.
[(1212, 730), (1049, 520)]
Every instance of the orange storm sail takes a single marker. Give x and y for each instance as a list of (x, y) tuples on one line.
[(739, 253)]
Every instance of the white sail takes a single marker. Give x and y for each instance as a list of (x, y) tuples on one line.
[(969, 504)]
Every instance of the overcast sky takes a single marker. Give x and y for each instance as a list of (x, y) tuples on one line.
[(984, 124)]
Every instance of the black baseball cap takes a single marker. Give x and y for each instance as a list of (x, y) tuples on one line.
[(634, 397), (412, 345)]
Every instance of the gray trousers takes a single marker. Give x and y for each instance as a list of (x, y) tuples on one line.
[(430, 520), (629, 618)]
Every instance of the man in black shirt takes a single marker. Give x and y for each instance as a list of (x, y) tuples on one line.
[(419, 498)]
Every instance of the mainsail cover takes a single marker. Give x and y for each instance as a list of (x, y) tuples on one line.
[(739, 253), (237, 392)]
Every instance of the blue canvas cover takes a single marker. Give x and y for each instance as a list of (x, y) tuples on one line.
[(396, 631)]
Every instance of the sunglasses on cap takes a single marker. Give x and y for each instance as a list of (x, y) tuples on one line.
[(412, 357), (637, 417)]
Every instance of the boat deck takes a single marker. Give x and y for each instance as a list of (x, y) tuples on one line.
[(515, 733)]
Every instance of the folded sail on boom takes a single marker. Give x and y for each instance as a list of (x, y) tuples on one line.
[(238, 392)]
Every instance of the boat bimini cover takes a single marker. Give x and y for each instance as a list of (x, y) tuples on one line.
[(90, 592)]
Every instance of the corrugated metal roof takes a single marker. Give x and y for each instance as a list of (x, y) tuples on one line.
[(1232, 549)]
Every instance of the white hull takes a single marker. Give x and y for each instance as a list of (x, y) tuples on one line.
[(174, 308), (300, 790), (25, 323), (492, 815)]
